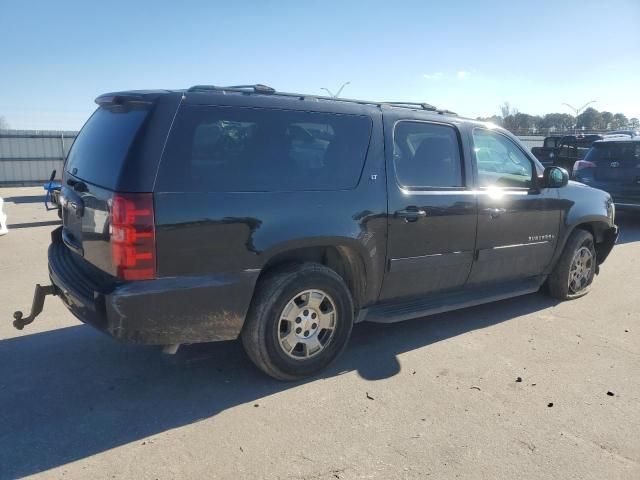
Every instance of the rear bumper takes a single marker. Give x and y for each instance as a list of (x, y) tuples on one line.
[(154, 312)]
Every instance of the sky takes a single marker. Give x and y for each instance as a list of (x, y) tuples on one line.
[(466, 56)]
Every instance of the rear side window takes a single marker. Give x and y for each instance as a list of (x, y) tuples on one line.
[(625, 153), (255, 149), (99, 152), (427, 155)]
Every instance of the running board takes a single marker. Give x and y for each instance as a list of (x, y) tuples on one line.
[(445, 302)]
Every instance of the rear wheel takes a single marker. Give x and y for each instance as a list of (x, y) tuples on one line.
[(300, 320), (573, 274)]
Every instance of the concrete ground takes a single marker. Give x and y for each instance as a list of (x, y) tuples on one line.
[(437, 397)]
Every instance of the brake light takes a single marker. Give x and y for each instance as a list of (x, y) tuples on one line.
[(133, 236), (582, 164)]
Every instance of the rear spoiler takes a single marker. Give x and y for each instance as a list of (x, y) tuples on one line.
[(122, 98)]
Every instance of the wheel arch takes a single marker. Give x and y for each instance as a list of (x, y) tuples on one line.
[(343, 258), (597, 226)]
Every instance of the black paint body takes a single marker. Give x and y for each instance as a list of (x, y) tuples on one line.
[(212, 247)]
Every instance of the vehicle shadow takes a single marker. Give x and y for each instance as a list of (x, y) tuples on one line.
[(18, 199), (71, 393), (629, 224), (46, 223)]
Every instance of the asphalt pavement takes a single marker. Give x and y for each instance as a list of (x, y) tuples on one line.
[(525, 388)]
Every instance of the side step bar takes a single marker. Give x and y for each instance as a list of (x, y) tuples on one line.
[(36, 307), (470, 297)]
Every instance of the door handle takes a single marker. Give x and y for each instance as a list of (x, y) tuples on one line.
[(411, 214), (495, 212)]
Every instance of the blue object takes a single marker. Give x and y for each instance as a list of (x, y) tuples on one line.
[(50, 187)]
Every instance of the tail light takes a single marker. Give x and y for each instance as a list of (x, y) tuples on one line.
[(582, 164), (133, 236)]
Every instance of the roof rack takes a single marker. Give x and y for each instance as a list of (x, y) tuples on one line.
[(264, 89), (424, 106), (257, 88)]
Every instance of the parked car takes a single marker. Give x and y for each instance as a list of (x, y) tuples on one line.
[(216, 213), (563, 151), (630, 132), (613, 165)]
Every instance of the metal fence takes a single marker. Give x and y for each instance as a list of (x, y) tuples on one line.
[(532, 140), (27, 157)]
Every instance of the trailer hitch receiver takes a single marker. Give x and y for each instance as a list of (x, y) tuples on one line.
[(36, 307)]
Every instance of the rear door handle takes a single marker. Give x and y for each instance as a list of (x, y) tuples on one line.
[(411, 214), (495, 212)]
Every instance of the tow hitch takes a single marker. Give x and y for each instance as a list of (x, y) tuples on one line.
[(36, 306)]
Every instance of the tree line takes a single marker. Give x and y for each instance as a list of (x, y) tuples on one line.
[(591, 119)]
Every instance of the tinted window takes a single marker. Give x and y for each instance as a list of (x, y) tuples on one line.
[(254, 149), (551, 142), (101, 148), (627, 154), (427, 155), (500, 162)]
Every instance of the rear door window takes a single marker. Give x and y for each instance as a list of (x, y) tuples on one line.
[(427, 155), (230, 149), (98, 154)]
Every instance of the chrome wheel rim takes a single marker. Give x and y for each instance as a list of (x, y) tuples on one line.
[(581, 271), (307, 324)]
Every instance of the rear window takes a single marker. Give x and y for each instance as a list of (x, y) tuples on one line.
[(254, 149), (99, 152), (623, 152)]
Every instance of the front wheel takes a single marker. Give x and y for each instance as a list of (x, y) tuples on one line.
[(573, 274), (299, 321)]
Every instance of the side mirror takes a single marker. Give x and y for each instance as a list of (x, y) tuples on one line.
[(554, 177)]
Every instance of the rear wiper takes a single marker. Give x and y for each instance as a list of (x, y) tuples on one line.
[(78, 185)]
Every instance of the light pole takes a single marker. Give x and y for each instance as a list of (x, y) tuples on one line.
[(338, 92), (578, 110)]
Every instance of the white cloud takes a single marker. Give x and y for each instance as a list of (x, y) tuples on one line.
[(433, 76), (462, 74)]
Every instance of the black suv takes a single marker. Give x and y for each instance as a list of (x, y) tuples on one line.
[(613, 164), (215, 213)]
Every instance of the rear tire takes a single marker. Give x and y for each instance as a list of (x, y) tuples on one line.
[(300, 320), (576, 268)]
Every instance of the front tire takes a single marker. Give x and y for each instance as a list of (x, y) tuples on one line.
[(576, 268), (300, 320)]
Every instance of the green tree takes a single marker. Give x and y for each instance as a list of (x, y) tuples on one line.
[(606, 120), (634, 123), (558, 121), (589, 119), (619, 121), (509, 122), (523, 121)]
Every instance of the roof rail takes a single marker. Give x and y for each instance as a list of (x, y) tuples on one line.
[(424, 106), (257, 88), (264, 89)]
